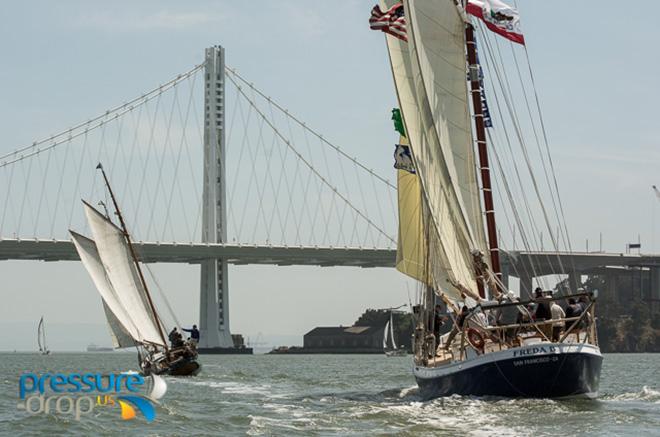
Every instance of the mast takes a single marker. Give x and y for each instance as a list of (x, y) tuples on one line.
[(475, 90), (134, 256)]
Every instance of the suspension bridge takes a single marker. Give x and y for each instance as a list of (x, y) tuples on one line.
[(241, 182)]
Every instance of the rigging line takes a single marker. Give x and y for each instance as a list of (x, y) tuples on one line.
[(503, 181), (150, 143), (282, 177), (126, 193), (306, 205), (246, 144), (304, 126), (303, 207), (175, 179), (76, 192), (545, 139), (161, 292), (142, 99), (25, 196), (63, 172), (516, 170), (167, 143), (232, 192), (43, 189), (306, 162), (501, 168), (518, 131), (8, 199), (559, 215), (538, 145), (261, 188)]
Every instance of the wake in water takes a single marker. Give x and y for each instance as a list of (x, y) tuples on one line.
[(646, 394)]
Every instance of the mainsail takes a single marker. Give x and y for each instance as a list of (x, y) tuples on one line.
[(113, 271), (123, 331), (41, 336), (430, 77)]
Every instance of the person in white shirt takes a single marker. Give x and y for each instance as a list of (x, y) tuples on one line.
[(557, 314)]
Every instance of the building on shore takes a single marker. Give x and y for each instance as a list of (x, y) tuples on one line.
[(339, 339)]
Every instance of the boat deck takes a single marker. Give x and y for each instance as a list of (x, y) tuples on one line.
[(444, 356)]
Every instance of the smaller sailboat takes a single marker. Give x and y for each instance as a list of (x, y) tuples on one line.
[(389, 347), (41, 338), (132, 317)]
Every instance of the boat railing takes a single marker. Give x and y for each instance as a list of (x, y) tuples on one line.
[(497, 333)]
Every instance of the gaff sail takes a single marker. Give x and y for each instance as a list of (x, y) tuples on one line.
[(120, 270), (430, 77), (123, 331), (120, 337)]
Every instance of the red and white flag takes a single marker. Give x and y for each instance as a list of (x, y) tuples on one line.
[(499, 17), (392, 21)]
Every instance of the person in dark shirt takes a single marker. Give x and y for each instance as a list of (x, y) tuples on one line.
[(542, 312), (573, 309), (194, 333), (542, 307)]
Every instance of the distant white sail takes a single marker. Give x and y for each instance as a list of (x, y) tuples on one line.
[(430, 77), (385, 331), (122, 274), (392, 331), (41, 336)]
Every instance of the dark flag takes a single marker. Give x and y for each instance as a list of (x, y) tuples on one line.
[(392, 21)]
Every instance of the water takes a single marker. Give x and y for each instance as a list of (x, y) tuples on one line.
[(337, 395)]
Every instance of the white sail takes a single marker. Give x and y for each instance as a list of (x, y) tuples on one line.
[(119, 322), (430, 77), (385, 331), (122, 274), (41, 336), (392, 331), (119, 335)]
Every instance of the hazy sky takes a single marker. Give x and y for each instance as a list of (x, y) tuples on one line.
[(596, 69)]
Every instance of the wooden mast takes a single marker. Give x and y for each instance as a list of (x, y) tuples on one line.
[(475, 91), (133, 255)]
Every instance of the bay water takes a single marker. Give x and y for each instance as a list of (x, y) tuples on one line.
[(334, 395)]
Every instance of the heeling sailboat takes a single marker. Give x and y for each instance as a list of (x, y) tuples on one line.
[(131, 314), (442, 237), (41, 337)]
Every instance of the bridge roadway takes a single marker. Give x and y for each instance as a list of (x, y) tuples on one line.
[(193, 253), (544, 263)]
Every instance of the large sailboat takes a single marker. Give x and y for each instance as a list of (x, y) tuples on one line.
[(132, 317), (41, 338), (497, 347)]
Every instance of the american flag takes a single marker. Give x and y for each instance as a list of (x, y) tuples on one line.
[(392, 21)]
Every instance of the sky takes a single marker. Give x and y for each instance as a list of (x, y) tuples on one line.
[(62, 62)]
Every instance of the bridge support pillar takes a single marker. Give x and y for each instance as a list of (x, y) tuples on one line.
[(214, 292)]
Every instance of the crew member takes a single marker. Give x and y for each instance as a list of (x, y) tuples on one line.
[(194, 333)]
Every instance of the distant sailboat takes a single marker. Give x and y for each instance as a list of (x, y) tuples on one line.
[(41, 338), (389, 347)]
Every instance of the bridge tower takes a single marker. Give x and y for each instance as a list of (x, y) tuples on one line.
[(214, 291)]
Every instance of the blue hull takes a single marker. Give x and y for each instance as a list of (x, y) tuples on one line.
[(543, 371)]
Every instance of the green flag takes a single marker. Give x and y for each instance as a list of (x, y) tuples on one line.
[(398, 122)]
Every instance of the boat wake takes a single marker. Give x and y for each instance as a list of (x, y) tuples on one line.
[(646, 394)]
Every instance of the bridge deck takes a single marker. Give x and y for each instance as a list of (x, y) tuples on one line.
[(193, 253)]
